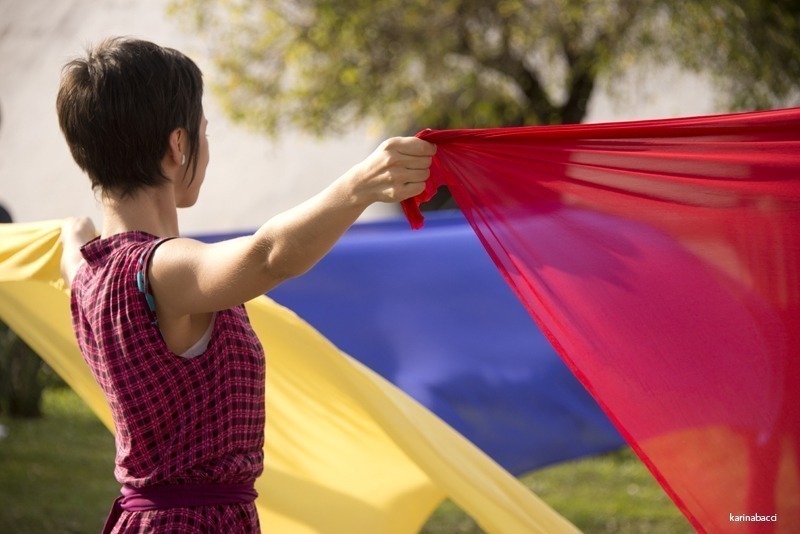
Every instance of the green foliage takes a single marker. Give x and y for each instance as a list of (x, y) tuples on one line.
[(23, 376), (752, 47), (322, 65), (56, 472)]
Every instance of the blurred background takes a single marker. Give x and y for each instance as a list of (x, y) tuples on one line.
[(297, 91)]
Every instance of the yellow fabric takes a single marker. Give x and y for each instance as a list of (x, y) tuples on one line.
[(346, 451)]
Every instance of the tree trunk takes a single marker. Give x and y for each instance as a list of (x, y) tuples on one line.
[(21, 378)]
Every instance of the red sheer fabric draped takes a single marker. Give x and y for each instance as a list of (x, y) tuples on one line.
[(661, 259)]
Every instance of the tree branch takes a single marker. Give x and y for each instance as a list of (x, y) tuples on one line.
[(507, 65), (583, 63)]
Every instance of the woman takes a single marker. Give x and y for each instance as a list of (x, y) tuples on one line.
[(159, 318)]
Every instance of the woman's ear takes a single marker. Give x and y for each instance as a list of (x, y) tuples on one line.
[(176, 151)]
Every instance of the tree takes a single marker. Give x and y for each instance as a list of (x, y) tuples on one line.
[(752, 47), (322, 65)]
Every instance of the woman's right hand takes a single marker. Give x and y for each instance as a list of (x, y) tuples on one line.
[(395, 171)]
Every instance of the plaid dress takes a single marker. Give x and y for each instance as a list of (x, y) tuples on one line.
[(178, 420)]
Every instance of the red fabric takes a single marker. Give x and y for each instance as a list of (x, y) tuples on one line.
[(661, 258)]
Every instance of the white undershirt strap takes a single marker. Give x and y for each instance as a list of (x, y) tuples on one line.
[(202, 344)]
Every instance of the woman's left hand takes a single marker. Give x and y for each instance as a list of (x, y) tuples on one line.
[(75, 232)]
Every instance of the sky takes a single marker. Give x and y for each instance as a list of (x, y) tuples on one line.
[(250, 177)]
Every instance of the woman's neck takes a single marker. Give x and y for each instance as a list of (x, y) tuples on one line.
[(150, 210)]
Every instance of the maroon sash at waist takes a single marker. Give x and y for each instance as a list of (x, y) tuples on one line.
[(177, 496)]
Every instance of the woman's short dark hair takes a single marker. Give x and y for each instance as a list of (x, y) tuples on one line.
[(118, 105)]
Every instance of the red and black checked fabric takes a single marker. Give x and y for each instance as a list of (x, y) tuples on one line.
[(178, 420)]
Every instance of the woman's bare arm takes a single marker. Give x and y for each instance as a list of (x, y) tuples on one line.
[(188, 277)]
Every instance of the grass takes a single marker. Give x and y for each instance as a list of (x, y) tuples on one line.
[(56, 472), (56, 476), (611, 493)]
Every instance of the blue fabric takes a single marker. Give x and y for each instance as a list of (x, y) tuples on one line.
[(429, 311)]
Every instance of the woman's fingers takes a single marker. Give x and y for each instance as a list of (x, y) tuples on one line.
[(416, 163), (410, 146)]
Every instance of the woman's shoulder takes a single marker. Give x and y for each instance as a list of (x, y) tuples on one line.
[(101, 250), (113, 265)]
